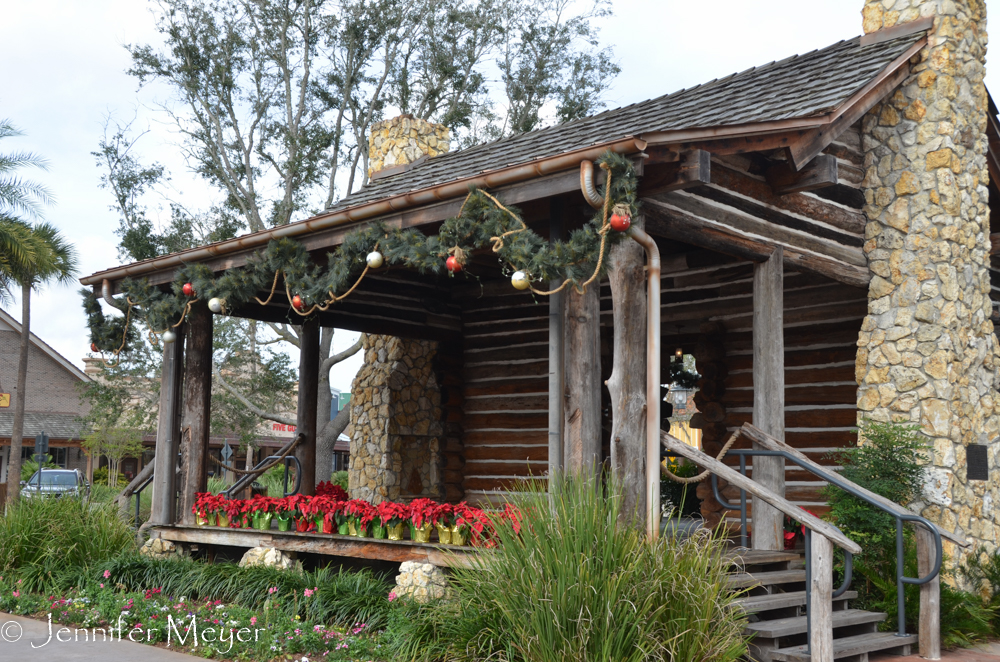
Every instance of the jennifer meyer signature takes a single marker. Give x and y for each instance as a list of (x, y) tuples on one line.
[(180, 631)]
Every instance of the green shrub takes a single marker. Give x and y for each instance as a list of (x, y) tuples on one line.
[(981, 572), (889, 464), (681, 497), (53, 542), (576, 585), (101, 478), (340, 478), (29, 467)]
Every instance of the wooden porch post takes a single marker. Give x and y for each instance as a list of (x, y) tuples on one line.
[(582, 417), (308, 393), (557, 336), (627, 384), (168, 431), (929, 633), (197, 399), (769, 393)]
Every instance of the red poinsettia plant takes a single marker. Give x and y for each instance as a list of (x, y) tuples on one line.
[(328, 489), (422, 511), (443, 515), (392, 514), (475, 524), (206, 503), (361, 510), (262, 504)]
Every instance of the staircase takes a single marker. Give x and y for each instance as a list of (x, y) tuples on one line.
[(775, 602)]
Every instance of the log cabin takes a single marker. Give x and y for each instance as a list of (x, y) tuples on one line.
[(825, 255)]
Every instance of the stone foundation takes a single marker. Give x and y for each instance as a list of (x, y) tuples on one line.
[(396, 422), (927, 353), (270, 557), (157, 548)]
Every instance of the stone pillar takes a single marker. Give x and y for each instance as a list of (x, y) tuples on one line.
[(396, 421), (927, 353), (403, 140)]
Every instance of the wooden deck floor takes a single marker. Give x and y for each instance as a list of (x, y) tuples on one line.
[(329, 545)]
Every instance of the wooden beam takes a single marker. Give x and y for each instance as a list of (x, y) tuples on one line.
[(582, 408), (995, 241), (765, 142), (168, 432), (692, 169), (308, 394), (557, 353), (196, 418), (820, 596), (929, 632), (734, 477), (818, 173), (769, 393), (670, 222), (897, 31)]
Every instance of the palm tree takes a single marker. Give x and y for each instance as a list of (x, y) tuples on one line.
[(30, 256)]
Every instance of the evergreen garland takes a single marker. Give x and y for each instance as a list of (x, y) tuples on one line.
[(482, 223)]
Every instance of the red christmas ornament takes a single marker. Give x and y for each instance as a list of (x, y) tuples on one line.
[(188, 290), (297, 302), (93, 347), (620, 222), (454, 266)]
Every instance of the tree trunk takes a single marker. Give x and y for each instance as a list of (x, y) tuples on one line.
[(325, 441), (582, 410), (308, 382), (324, 404), (627, 383), (17, 434), (197, 407)]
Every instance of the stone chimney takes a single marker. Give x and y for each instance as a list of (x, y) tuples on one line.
[(403, 140), (927, 353)]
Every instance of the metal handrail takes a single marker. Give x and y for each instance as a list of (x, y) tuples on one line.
[(249, 478), (850, 488), (137, 493)]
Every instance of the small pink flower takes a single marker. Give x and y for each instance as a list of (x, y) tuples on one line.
[(273, 589), (308, 593), (392, 596), (253, 620), (107, 573), (17, 594), (101, 585)]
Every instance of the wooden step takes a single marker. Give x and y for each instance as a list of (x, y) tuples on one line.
[(752, 604), (759, 557), (786, 627), (847, 646), (747, 580)]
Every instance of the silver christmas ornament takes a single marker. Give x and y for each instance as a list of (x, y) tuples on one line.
[(520, 280)]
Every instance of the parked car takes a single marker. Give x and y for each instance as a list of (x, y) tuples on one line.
[(56, 483)]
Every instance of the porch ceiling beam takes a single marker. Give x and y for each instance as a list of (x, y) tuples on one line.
[(692, 169), (670, 222), (818, 173)]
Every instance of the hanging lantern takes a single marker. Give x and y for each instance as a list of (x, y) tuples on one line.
[(454, 266), (520, 280), (297, 302), (679, 354), (169, 336), (93, 347), (621, 218), (188, 290), (215, 305), (374, 260)]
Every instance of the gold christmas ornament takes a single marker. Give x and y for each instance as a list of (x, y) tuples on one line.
[(520, 280)]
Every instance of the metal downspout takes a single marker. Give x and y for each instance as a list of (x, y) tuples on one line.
[(652, 380)]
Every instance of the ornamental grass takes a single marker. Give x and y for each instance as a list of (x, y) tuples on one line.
[(576, 585), (51, 543)]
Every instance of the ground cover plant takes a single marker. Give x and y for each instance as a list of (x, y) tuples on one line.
[(568, 582)]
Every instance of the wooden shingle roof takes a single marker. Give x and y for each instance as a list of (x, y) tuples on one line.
[(798, 87)]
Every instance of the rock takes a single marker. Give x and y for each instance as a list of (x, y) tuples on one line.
[(270, 557), (421, 581), (157, 548)]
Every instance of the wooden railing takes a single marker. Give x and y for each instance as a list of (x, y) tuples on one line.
[(823, 536)]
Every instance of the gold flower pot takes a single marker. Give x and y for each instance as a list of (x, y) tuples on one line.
[(395, 532), (422, 533), (444, 534), (457, 537)]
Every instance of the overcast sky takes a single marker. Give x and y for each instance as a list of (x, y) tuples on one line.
[(62, 70)]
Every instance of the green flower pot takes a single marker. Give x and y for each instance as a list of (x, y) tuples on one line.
[(262, 521), (284, 523), (344, 529), (378, 532), (321, 525)]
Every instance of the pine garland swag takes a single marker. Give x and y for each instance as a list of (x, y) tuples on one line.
[(285, 264)]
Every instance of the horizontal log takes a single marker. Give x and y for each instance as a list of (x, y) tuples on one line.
[(478, 483), (801, 358), (518, 469), (506, 421), (800, 395), (508, 403), (842, 373), (494, 371), (692, 169), (510, 386), (508, 353), (523, 453), (811, 418), (518, 337)]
